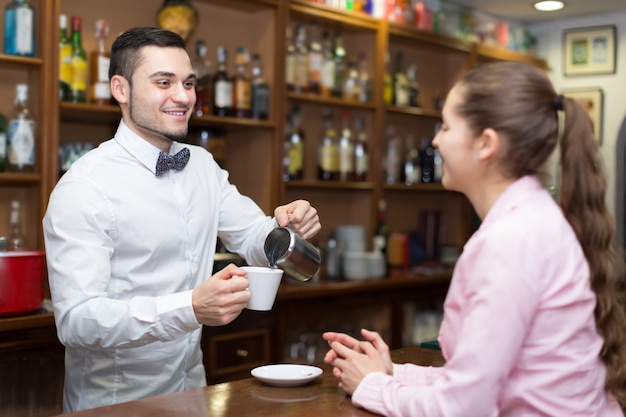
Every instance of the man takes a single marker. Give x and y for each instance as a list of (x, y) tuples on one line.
[(130, 238)]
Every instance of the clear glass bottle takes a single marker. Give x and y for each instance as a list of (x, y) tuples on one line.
[(202, 69), (21, 136), (222, 87), (413, 86), (295, 168), (328, 158), (339, 55), (387, 82), (328, 65), (365, 82), (290, 60), (99, 61), (301, 76), (78, 85), (315, 60), (17, 240), (19, 29), (242, 87), (412, 167), (361, 154), (3, 142), (351, 85), (400, 82), (346, 149), (260, 91), (393, 158), (65, 60)]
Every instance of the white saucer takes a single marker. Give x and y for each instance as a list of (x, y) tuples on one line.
[(286, 375)]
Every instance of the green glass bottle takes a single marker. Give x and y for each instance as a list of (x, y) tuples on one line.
[(78, 84)]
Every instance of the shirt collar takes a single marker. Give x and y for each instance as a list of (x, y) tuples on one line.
[(138, 147), (514, 194)]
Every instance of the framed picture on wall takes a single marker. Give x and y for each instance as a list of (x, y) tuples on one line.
[(591, 99), (589, 51)]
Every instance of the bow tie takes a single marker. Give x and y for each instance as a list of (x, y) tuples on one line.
[(176, 162)]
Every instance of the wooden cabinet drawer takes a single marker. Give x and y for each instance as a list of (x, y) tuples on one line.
[(237, 352)]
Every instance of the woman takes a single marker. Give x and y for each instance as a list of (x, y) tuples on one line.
[(533, 324)]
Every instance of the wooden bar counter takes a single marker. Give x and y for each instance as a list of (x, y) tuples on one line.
[(250, 397)]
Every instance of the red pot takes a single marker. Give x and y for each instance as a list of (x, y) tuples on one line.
[(21, 282)]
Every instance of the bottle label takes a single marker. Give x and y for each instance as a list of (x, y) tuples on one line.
[(330, 158), (328, 75), (242, 95), (102, 90), (296, 158), (223, 94), (24, 31), (290, 70), (79, 74), (103, 69), (3, 146), (346, 161), (361, 165), (65, 63), (21, 142), (315, 68)]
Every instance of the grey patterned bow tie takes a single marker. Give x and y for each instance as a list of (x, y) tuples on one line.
[(176, 162)]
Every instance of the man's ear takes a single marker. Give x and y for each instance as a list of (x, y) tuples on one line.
[(487, 145), (120, 89)]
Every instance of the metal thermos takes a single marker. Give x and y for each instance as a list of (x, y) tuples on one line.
[(299, 259)]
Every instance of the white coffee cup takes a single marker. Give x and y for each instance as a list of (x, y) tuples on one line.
[(263, 286)]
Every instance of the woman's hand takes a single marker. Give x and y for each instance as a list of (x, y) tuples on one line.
[(353, 359)]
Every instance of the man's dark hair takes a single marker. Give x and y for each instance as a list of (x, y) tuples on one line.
[(124, 52)]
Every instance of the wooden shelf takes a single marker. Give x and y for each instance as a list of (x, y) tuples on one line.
[(31, 321), (331, 101), (416, 187), (331, 185), (429, 38), (416, 111), (320, 11), (20, 61), (398, 281)]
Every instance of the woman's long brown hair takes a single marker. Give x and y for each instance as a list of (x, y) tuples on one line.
[(520, 103)]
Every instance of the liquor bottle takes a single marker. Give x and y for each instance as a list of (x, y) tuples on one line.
[(339, 55), (413, 86), (351, 90), (387, 82), (65, 60), (260, 91), (427, 154), (301, 75), (328, 65), (361, 155), (315, 61), (346, 149), (412, 168), (400, 82), (3, 142), (382, 229), (202, 69), (21, 137), (19, 27), (328, 158), (242, 88), (290, 60), (222, 87), (392, 162), (365, 83), (78, 85), (437, 159), (17, 241), (99, 61), (295, 169)]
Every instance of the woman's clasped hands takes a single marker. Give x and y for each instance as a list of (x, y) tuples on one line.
[(353, 359)]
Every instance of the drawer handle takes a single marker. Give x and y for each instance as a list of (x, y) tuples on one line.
[(242, 353)]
